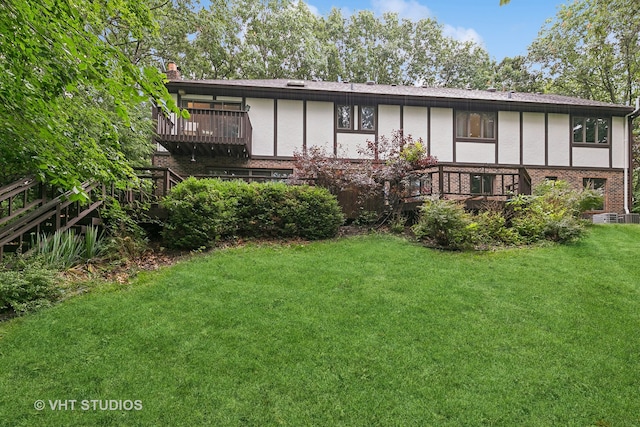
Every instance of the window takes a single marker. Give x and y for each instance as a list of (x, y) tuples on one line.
[(471, 124), (590, 130), (344, 115), (196, 104), (367, 118), (259, 175), (215, 105), (596, 184), (482, 183), (365, 121)]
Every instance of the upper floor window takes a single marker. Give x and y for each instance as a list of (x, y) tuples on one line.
[(473, 124), (345, 119), (367, 118), (590, 130)]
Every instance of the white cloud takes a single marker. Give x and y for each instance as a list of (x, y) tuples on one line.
[(463, 34), (313, 9), (409, 9)]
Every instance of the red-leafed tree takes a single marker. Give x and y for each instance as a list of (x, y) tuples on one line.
[(383, 172)]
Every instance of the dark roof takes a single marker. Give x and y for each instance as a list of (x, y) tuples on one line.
[(446, 95)]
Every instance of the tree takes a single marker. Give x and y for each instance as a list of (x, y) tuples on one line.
[(214, 50), (592, 50), (60, 69), (515, 74), (279, 40), (385, 170)]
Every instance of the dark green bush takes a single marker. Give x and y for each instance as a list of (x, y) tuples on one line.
[(199, 214), (27, 286), (310, 212), (445, 224), (204, 211)]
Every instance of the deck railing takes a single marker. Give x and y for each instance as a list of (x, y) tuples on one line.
[(228, 127), (29, 208), (474, 181)]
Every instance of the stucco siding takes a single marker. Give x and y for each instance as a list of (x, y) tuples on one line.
[(533, 138), (617, 142), (591, 157), (508, 137), (559, 139), (388, 119), (290, 127), (349, 143), (262, 120), (320, 125), (475, 152), (442, 134), (415, 122), (196, 97)]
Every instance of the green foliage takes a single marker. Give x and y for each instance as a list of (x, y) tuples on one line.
[(552, 212), (590, 49), (65, 249), (27, 286), (366, 218), (398, 224), (201, 212), (491, 229), (124, 237), (446, 224), (69, 91)]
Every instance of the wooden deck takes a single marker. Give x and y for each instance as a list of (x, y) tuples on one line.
[(205, 132)]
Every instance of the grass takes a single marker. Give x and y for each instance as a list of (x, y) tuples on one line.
[(363, 331)]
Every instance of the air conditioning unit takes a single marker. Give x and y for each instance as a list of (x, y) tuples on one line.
[(605, 218), (633, 218)]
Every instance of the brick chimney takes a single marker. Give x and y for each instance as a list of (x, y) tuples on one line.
[(172, 71)]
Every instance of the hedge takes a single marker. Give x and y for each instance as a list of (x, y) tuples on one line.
[(204, 211)]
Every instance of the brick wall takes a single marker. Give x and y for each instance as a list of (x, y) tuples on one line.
[(614, 189), (184, 167)]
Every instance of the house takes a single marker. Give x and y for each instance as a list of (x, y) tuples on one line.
[(487, 142)]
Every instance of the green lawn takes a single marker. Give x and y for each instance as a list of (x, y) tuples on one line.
[(364, 331)]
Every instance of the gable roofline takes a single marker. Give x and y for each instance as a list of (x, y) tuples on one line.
[(363, 93)]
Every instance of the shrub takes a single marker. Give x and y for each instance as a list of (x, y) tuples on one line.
[(198, 214), (124, 237), (446, 224), (311, 213), (27, 287), (202, 212), (552, 212), (492, 229)]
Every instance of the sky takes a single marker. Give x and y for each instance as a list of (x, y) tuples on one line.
[(501, 30)]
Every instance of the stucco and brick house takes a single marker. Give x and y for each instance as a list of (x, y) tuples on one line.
[(487, 142)]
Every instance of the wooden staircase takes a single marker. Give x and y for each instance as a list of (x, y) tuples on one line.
[(29, 208)]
